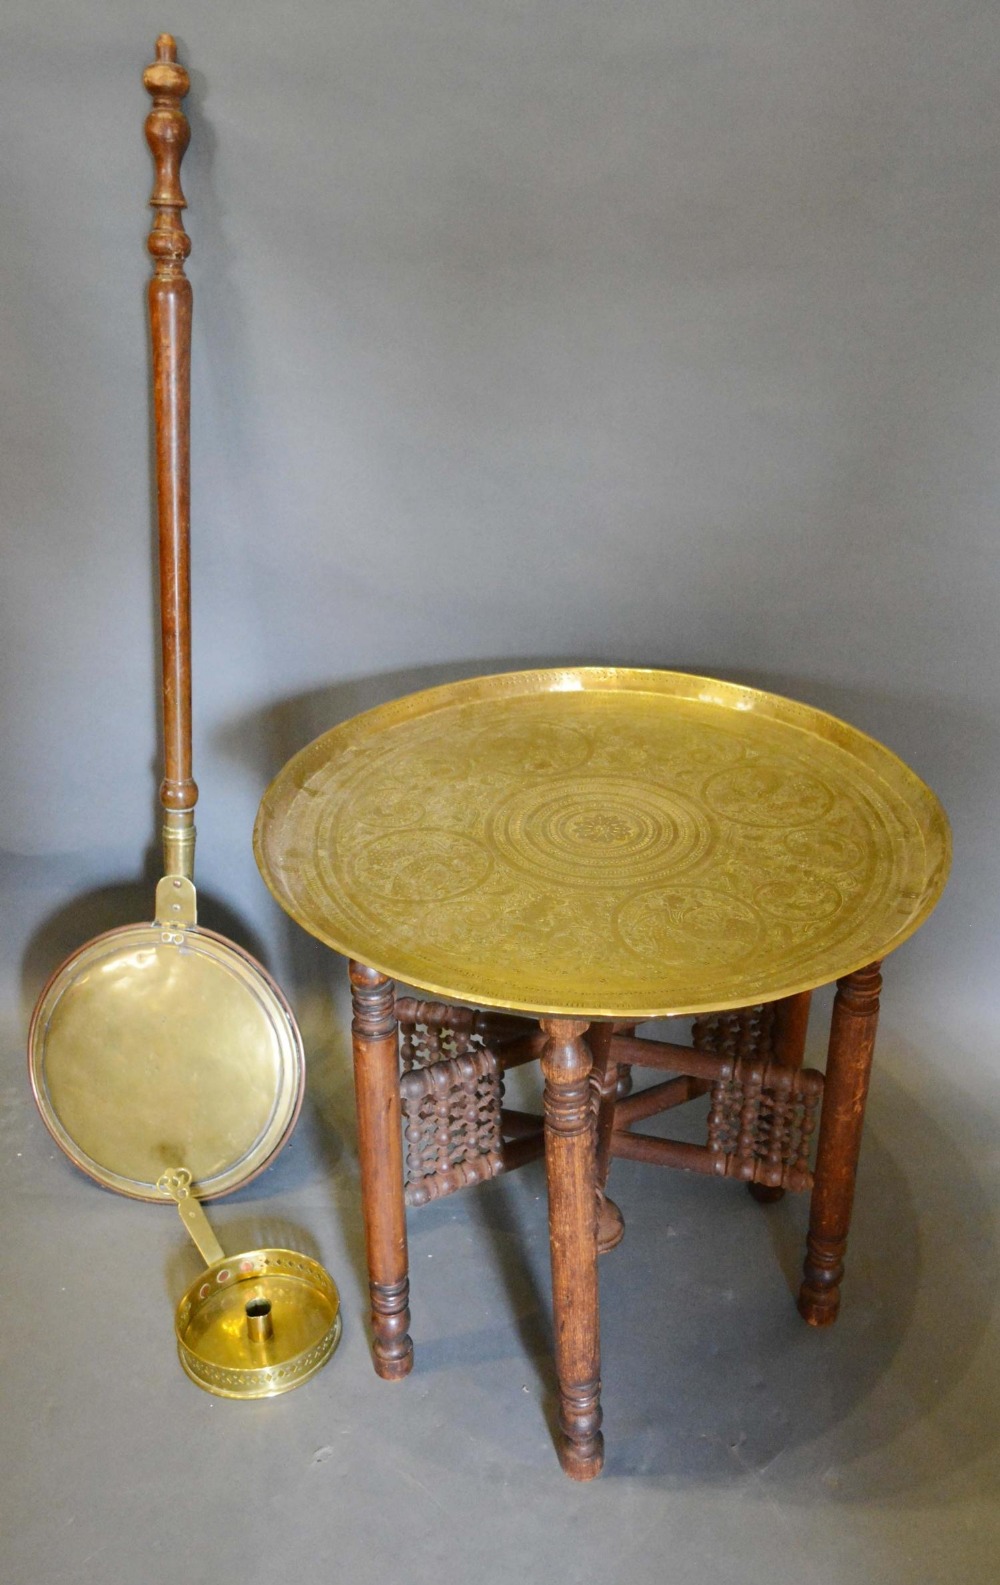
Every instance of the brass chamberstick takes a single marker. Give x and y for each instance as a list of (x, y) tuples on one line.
[(603, 842)]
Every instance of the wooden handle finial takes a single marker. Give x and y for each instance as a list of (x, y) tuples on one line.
[(168, 134)]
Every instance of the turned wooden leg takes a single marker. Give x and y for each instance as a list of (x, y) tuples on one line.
[(604, 1087), (848, 1068), (380, 1148), (788, 1045), (570, 1161)]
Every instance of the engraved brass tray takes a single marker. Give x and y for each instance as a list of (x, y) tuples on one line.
[(603, 843)]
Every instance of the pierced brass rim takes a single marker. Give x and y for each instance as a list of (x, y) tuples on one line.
[(220, 1360)]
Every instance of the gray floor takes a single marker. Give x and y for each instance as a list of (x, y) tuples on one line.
[(741, 1445)]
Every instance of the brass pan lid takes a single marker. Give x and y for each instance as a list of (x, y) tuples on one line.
[(156, 1044)]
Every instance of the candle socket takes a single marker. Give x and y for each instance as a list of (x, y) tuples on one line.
[(260, 1327)]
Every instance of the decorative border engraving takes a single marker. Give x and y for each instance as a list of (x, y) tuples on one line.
[(602, 842)]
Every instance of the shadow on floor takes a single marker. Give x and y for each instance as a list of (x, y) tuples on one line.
[(710, 1376)]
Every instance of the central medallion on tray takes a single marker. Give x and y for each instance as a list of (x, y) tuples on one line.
[(598, 831)]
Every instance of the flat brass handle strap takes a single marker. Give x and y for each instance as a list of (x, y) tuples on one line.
[(170, 302), (177, 1183)]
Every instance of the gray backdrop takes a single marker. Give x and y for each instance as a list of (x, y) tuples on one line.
[(655, 334), (660, 331)]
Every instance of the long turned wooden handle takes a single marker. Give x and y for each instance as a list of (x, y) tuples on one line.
[(168, 134)]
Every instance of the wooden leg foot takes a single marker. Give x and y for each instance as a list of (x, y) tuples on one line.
[(610, 1225), (819, 1296), (392, 1370), (764, 1194), (581, 1445), (392, 1347)]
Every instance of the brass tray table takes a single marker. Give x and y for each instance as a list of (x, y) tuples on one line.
[(598, 844)]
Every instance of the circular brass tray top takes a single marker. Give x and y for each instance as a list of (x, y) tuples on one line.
[(151, 1047), (603, 842)]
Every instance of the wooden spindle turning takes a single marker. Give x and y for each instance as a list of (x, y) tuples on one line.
[(375, 1038), (604, 1086), (788, 1046), (848, 1071), (170, 301), (571, 1167)]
